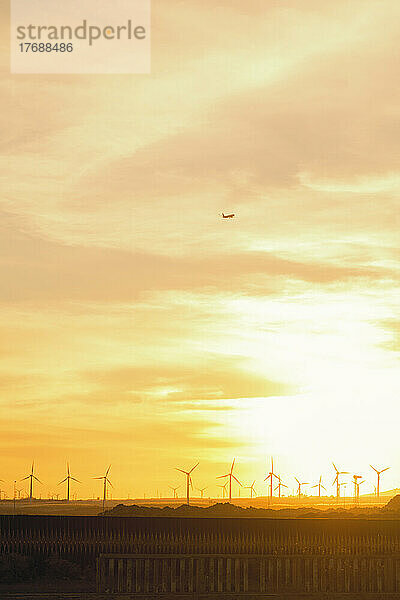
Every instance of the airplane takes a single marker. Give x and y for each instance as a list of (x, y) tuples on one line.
[(228, 216)]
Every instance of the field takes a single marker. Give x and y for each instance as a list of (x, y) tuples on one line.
[(93, 507)]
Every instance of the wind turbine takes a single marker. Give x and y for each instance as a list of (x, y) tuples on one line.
[(319, 486), (344, 484), (299, 487), (174, 489), (201, 490), (336, 480), (270, 476), (251, 488), (188, 481), (224, 491), (67, 479), (279, 486), (357, 484), (31, 476), (379, 477), (231, 476), (105, 481)]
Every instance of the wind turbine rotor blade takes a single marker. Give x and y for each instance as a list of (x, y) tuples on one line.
[(77, 480), (27, 477), (237, 480), (334, 466), (38, 480), (221, 476), (62, 481), (97, 477), (193, 468), (233, 464), (316, 485), (182, 471), (376, 470), (323, 487), (383, 470), (108, 470)]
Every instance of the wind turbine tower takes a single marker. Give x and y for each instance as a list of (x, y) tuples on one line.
[(271, 476), (224, 490), (105, 481), (357, 484), (336, 480), (252, 490), (174, 489), (68, 479), (231, 476), (201, 490), (279, 486), (189, 483), (319, 486), (378, 473), (299, 487), (31, 477)]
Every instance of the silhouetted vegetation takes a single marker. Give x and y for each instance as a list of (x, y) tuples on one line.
[(225, 509)]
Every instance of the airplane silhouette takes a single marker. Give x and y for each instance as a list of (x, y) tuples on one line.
[(228, 216)]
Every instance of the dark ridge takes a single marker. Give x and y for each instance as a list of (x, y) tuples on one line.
[(391, 510)]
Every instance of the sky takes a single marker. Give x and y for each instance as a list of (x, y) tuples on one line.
[(140, 329)]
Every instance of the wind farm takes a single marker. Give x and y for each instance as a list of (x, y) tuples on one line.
[(287, 491)]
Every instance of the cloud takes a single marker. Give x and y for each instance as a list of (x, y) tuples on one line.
[(206, 379), (392, 327), (41, 270)]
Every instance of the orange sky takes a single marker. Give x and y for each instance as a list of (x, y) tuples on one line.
[(137, 327)]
